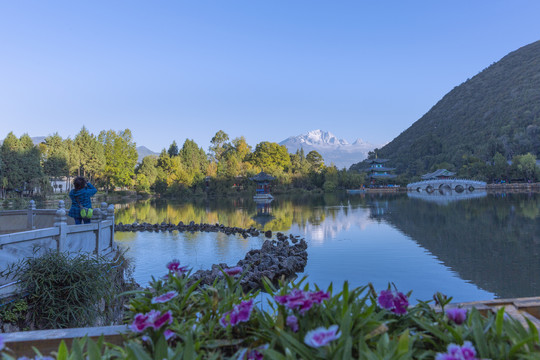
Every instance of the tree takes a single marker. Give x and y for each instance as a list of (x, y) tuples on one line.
[(500, 167), (219, 145), (22, 169), (54, 156), (173, 149), (524, 167), (315, 161), (91, 157), (12, 171), (120, 152), (193, 157), (148, 169), (271, 157)]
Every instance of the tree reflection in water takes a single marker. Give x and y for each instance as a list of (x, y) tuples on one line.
[(493, 242)]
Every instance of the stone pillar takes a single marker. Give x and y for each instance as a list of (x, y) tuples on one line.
[(103, 211), (30, 215), (60, 221), (97, 216), (110, 216)]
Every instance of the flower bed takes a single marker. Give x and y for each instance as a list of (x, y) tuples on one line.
[(173, 319)]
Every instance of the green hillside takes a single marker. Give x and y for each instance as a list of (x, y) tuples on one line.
[(497, 110)]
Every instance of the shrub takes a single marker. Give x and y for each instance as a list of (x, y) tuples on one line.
[(65, 290)]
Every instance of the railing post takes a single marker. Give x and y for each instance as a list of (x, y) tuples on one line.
[(103, 211), (96, 217), (110, 216), (30, 215), (60, 221)]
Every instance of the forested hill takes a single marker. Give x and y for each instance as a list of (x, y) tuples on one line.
[(497, 110)]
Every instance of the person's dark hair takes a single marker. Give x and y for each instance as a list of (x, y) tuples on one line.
[(79, 182)]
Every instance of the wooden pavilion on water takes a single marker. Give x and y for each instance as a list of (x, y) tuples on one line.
[(378, 173), (263, 186)]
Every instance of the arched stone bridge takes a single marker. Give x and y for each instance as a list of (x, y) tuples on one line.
[(444, 185)]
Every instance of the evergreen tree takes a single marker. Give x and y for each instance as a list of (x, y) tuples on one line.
[(13, 177), (173, 149), (91, 156), (54, 156)]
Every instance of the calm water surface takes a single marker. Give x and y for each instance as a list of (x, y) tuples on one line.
[(470, 249)]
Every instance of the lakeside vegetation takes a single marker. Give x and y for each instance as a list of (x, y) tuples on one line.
[(180, 319), (109, 160)]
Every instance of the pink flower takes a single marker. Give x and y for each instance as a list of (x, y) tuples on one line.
[(175, 268), (319, 296), (292, 322), (457, 315), (139, 323), (169, 334), (164, 298), (397, 302), (233, 271), (322, 336), (153, 319), (239, 313), (456, 352), (301, 300), (161, 319)]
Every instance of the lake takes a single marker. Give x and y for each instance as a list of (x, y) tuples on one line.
[(473, 249)]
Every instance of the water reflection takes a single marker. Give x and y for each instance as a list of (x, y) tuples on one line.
[(445, 196), (472, 249), (492, 241)]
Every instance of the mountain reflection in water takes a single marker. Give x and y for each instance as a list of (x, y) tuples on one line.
[(472, 249)]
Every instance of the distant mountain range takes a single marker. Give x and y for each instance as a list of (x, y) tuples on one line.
[(496, 111), (144, 151), (333, 150)]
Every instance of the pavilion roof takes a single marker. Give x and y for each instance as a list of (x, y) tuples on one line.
[(380, 169), (378, 161), (262, 176), (437, 173), (385, 176)]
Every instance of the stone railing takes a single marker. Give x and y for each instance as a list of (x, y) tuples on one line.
[(32, 232)]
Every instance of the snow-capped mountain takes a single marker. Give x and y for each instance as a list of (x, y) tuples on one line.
[(337, 151)]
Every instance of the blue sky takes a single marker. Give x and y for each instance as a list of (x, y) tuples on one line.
[(171, 70)]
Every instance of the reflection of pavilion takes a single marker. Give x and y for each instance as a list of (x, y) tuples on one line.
[(443, 197), (378, 209), (264, 211)]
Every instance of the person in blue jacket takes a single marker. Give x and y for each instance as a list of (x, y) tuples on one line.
[(81, 198)]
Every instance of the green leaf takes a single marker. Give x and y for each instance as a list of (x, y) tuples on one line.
[(403, 343), (514, 349), (499, 321), (138, 352), (93, 351), (160, 348), (62, 351)]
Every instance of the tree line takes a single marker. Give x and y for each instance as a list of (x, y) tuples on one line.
[(109, 160)]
